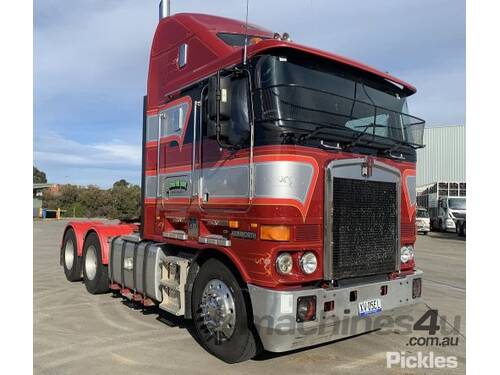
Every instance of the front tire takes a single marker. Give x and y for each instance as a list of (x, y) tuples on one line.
[(95, 274), (72, 263), (221, 314)]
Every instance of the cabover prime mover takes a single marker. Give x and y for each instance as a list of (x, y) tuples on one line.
[(278, 192)]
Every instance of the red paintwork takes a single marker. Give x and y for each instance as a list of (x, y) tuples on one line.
[(207, 53), (254, 259), (104, 232)]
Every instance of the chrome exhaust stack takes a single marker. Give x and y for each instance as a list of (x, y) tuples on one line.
[(164, 9)]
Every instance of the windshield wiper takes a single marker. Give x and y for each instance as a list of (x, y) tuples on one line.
[(397, 146), (318, 130)]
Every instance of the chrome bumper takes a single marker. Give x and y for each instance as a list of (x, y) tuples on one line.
[(274, 312)]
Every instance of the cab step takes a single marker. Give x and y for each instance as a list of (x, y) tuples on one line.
[(214, 239), (176, 235)]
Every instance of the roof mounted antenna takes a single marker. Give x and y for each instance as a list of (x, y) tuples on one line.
[(246, 38), (164, 9)]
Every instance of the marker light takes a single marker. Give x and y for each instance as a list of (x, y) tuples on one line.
[(275, 232)]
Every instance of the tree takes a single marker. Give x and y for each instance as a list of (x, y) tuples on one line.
[(39, 177), (126, 201), (96, 202), (122, 201)]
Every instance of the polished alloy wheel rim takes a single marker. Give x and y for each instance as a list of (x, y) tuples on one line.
[(69, 254), (91, 262), (218, 309)]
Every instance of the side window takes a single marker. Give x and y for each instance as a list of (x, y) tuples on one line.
[(173, 120)]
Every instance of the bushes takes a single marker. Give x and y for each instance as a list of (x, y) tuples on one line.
[(122, 201)]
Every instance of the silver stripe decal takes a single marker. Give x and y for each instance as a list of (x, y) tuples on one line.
[(152, 128), (150, 191), (224, 182), (283, 179), (280, 179), (165, 181)]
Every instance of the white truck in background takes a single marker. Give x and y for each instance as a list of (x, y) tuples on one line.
[(445, 202), (423, 221)]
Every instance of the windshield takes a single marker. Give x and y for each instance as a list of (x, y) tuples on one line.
[(313, 99), (422, 213), (457, 203)]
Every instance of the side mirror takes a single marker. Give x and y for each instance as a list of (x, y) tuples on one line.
[(219, 107)]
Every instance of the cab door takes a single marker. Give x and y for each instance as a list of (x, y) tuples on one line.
[(225, 161)]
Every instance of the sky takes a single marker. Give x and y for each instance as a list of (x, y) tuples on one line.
[(91, 61)]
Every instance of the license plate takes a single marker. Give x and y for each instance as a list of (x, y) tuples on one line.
[(372, 306)]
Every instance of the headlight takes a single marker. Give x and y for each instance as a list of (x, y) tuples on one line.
[(284, 263), (308, 263), (407, 254)]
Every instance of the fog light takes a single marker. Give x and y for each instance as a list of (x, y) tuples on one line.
[(308, 263), (306, 308), (416, 288), (284, 263)]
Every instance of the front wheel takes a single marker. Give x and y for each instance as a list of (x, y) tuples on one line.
[(221, 314)]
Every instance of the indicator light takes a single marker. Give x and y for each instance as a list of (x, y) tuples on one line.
[(275, 232)]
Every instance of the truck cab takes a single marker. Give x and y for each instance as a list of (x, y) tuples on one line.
[(449, 210)]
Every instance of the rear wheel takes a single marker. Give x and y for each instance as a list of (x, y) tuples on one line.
[(95, 274), (71, 261), (221, 316)]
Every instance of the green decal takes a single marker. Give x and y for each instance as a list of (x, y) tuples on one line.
[(177, 185)]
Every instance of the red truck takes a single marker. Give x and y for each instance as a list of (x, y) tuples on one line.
[(278, 192)]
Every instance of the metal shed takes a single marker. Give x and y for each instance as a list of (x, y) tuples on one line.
[(443, 158)]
